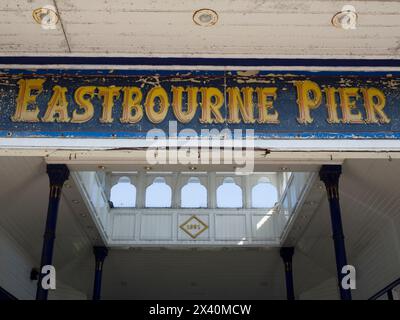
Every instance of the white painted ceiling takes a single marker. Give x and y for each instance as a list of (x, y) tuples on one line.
[(246, 28), (370, 200)]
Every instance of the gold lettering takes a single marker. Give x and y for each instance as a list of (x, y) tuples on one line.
[(57, 107), (132, 104), (84, 104), (348, 105), (108, 94), (305, 102), (153, 115), (236, 104), (373, 108), (209, 106), (265, 104), (25, 99), (331, 105), (192, 104)]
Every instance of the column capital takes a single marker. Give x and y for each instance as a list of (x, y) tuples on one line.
[(329, 175), (58, 174), (287, 253), (100, 253)]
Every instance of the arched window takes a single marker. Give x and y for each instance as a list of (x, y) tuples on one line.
[(158, 194), (123, 194), (263, 194), (229, 194), (193, 194)]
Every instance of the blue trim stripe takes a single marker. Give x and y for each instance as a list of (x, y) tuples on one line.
[(169, 61)]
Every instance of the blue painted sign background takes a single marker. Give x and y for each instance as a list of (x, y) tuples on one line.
[(285, 103)]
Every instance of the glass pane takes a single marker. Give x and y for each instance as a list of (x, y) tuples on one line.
[(264, 195), (158, 194), (123, 194), (194, 194), (229, 194)]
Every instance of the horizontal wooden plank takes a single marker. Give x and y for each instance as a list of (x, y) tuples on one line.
[(231, 19), (21, 5), (242, 50), (271, 6), (187, 52), (179, 19), (324, 34), (198, 41), (11, 47)]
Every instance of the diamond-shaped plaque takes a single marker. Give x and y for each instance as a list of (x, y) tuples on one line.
[(193, 226)]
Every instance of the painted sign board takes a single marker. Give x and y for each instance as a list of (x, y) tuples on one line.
[(128, 104)]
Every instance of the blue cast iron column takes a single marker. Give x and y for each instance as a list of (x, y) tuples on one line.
[(100, 253), (287, 254), (330, 174), (58, 174)]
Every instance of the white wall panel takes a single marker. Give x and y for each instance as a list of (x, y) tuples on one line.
[(230, 227), (263, 227), (156, 227), (123, 227)]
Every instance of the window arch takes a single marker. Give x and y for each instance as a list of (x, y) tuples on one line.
[(123, 193), (193, 194), (158, 194), (229, 194), (264, 194)]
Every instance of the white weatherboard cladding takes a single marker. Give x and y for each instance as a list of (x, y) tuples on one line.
[(15, 268), (369, 199), (248, 28)]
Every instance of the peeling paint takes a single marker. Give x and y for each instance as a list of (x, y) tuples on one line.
[(285, 103)]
